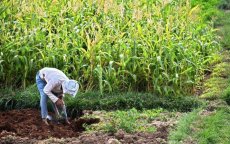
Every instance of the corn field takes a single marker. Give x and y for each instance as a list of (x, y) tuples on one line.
[(160, 46)]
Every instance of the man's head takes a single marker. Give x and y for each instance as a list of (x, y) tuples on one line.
[(70, 87)]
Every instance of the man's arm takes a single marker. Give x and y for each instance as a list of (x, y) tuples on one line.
[(60, 96), (48, 90)]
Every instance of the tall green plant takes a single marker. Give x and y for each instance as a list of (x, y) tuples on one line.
[(140, 45)]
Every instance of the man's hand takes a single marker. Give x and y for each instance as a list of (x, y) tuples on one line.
[(59, 103), (60, 96)]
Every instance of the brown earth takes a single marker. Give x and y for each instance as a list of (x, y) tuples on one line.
[(25, 126), (27, 123)]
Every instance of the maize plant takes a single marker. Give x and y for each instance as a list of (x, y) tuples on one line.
[(160, 46)]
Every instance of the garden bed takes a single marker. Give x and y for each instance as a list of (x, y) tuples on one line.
[(25, 126), (28, 123)]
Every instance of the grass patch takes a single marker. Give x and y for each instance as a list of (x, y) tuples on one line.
[(214, 129), (221, 70), (226, 56), (183, 128), (222, 19), (225, 4), (226, 32), (214, 88), (129, 121), (219, 78), (223, 27), (226, 95)]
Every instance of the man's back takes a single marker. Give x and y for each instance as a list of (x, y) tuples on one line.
[(49, 74)]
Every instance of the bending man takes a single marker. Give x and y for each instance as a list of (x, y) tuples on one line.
[(53, 83)]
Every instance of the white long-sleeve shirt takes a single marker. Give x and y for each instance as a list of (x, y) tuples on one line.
[(54, 79)]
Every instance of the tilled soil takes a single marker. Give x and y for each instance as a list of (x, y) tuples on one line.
[(28, 123), (25, 126)]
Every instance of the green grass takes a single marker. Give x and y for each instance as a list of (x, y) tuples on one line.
[(129, 121), (183, 128), (214, 129), (226, 33), (221, 70), (226, 94), (214, 87), (203, 129), (225, 4), (208, 7), (215, 83), (223, 26), (222, 19)]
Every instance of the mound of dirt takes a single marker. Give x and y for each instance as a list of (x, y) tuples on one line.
[(28, 123)]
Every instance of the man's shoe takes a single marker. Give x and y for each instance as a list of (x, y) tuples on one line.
[(49, 117), (67, 122), (45, 121)]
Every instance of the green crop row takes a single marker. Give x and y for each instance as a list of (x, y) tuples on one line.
[(134, 45), (29, 98)]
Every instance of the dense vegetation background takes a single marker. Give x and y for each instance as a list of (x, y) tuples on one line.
[(158, 46)]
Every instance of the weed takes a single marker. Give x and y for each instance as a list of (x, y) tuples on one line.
[(130, 121)]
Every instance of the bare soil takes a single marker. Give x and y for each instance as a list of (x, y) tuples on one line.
[(25, 126), (28, 123)]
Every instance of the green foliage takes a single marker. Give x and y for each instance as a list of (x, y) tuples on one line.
[(223, 25), (214, 87), (226, 32), (139, 101), (130, 121), (225, 4), (218, 80), (226, 95), (221, 70), (28, 98), (6, 98), (94, 101), (139, 45), (214, 129), (210, 126), (209, 8), (183, 129)]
